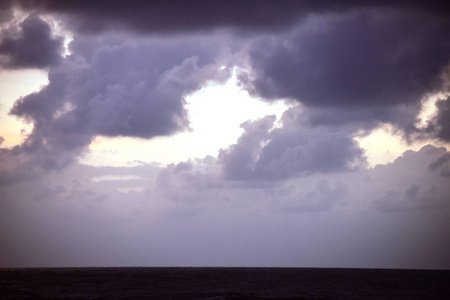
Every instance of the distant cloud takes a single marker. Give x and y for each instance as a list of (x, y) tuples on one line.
[(389, 216), (413, 198), (407, 184), (322, 198), (414, 183), (33, 47)]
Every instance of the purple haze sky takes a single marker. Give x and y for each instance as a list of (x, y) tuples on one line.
[(225, 133)]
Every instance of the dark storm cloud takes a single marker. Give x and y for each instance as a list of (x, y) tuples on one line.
[(179, 16), (367, 60), (34, 47), (362, 59), (6, 12)]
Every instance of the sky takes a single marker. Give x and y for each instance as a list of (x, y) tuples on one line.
[(225, 133)]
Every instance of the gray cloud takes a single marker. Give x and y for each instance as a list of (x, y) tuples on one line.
[(263, 159), (442, 120), (438, 163), (322, 198), (34, 47), (413, 182), (359, 59), (66, 219), (176, 16), (414, 197), (416, 181), (122, 88), (292, 150), (189, 182), (382, 211), (59, 218), (365, 65), (441, 164), (352, 71), (5, 11)]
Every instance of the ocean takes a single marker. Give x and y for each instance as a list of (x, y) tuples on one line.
[(223, 283)]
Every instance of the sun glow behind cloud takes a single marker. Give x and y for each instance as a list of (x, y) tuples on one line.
[(13, 85), (383, 145), (215, 113)]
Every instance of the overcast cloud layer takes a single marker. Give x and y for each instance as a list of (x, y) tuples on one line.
[(394, 216), (345, 69)]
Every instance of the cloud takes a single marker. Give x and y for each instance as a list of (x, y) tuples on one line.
[(175, 16), (381, 211), (33, 47), (416, 181), (441, 165), (263, 153), (358, 59), (413, 198), (365, 64), (189, 182), (265, 156), (263, 166), (121, 88), (6, 13), (412, 182), (442, 121), (351, 70), (68, 219), (322, 198)]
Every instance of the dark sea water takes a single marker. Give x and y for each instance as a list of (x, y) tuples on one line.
[(222, 283)]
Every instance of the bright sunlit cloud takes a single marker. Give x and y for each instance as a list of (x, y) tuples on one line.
[(429, 109)]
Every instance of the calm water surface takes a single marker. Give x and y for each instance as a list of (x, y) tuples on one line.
[(222, 283)]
